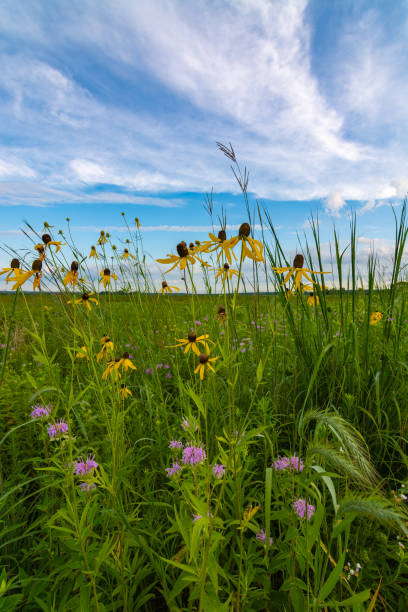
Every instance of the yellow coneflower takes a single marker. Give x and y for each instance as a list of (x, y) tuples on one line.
[(137, 222), (298, 270), (165, 287), (41, 251), (126, 254), (21, 277), (85, 299), (221, 314), (204, 360), (226, 272), (72, 275), (125, 363), (124, 391), (93, 253), (107, 346), (311, 299), (102, 238), (13, 269), (192, 342), (375, 317), (218, 242), (111, 370), (184, 256), (47, 241), (82, 353), (36, 268), (106, 277), (249, 246)]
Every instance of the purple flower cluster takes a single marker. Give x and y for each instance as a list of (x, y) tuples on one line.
[(261, 537), (193, 455), (39, 411), (301, 507), (57, 430), (176, 444), (171, 471), (283, 463), (85, 467), (87, 486), (218, 470), (196, 517)]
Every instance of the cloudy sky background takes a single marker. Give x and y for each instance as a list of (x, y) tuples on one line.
[(114, 105)]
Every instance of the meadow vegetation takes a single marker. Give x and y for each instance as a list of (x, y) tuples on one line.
[(225, 450)]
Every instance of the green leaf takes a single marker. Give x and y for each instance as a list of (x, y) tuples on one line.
[(333, 578), (351, 601)]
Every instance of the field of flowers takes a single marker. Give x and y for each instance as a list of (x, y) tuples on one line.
[(165, 450)]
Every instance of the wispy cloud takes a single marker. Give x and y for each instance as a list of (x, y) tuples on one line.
[(253, 84)]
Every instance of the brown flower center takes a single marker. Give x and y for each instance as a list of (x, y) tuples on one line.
[(226, 266), (182, 249), (192, 337), (244, 230), (164, 284), (74, 266), (191, 245), (15, 263), (126, 251), (46, 238), (36, 265), (106, 272), (126, 355), (203, 358), (85, 297), (221, 310), (222, 235), (298, 261)]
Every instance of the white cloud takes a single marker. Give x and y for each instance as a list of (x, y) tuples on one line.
[(252, 84), (15, 168), (334, 204)]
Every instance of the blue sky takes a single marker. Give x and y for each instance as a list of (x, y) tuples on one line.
[(114, 105)]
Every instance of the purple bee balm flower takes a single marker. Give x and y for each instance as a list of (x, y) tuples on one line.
[(57, 429), (39, 411), (302, 507), (197, 322), (85, 467), (148, 371), (176, 444), (196, 517), (87, 486), (219, 470), (261, 537), (193, 455), (166, 366), (168, 375), (127, 345), (283, 463), (173, 469), (159, 365)]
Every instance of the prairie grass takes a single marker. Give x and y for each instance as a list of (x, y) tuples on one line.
[(318, 384)]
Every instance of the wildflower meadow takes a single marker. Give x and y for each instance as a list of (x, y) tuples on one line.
[(165, 447)]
